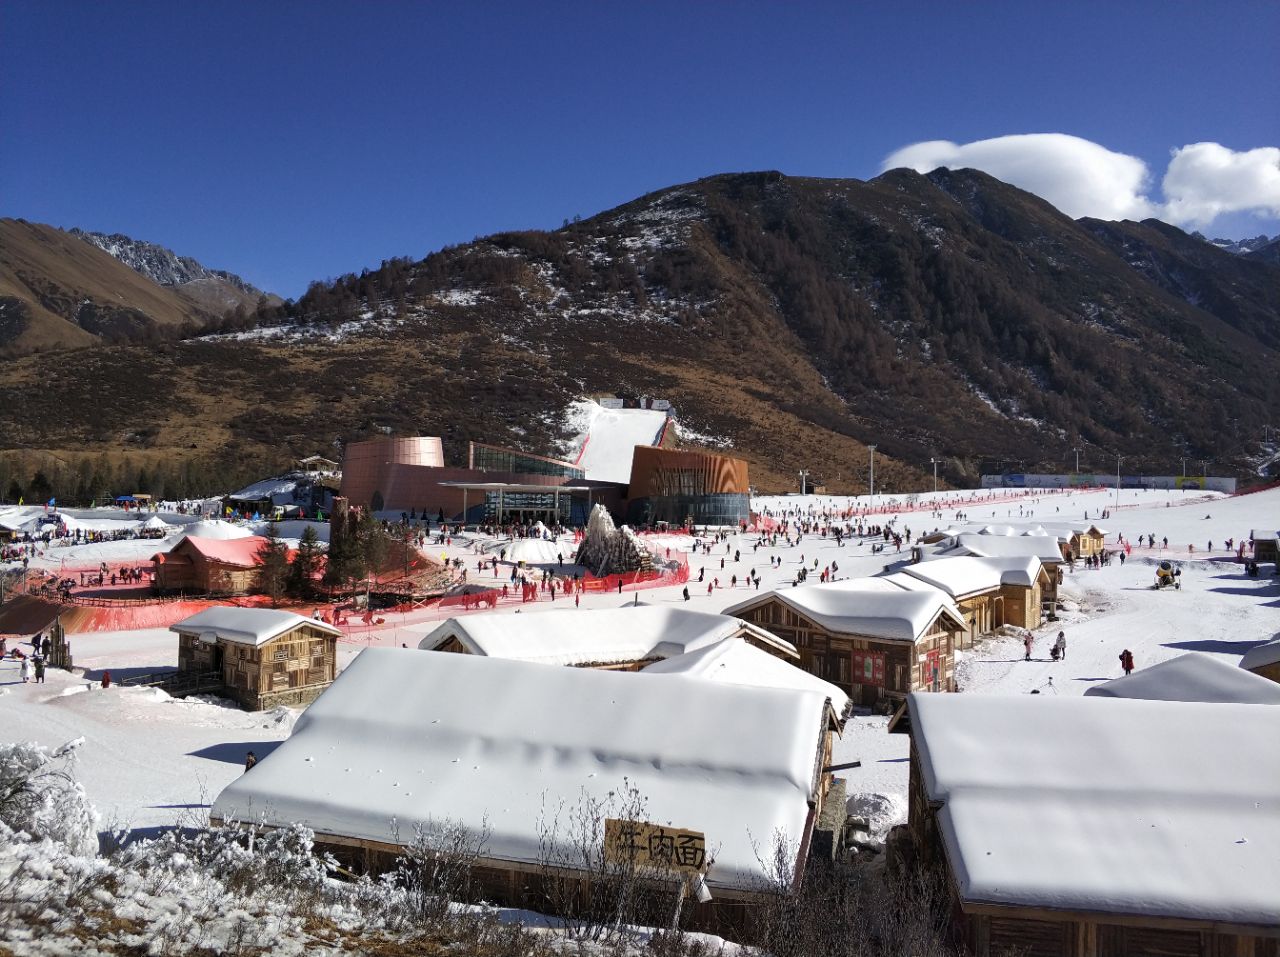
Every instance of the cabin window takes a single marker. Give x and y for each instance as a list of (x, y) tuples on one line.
[(282, 653)]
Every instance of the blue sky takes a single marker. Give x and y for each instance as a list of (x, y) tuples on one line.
[(297, 141)]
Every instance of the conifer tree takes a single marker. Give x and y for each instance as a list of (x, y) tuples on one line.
[(271, 576)]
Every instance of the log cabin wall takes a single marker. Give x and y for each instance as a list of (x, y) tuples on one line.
[(291, 669), (1039, 934), (871, 670), (1020, 606)]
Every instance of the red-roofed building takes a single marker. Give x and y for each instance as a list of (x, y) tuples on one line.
[(210, 566)]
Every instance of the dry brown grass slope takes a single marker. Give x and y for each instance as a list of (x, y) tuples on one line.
[(57, 291)]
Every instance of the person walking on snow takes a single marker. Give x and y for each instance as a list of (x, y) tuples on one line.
[(1060, 643), (26, 670), (1026, 643), (1126, 661)]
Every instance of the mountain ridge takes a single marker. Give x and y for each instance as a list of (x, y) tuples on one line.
[(799, 319)]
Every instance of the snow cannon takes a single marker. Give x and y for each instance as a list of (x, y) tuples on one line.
[(1167, 575)]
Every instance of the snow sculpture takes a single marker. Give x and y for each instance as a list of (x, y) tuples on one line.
[(608, 550)]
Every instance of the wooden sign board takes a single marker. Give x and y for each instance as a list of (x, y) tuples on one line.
[(654, 845)]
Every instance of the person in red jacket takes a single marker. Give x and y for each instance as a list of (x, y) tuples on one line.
[(1126, 660)]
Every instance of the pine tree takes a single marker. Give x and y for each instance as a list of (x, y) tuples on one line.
[(272, 573), (302, 571)]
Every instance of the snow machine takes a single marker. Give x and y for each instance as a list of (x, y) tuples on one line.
[(1167, 575)]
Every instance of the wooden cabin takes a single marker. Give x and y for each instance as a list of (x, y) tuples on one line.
[(872, 637), (25, 616), (611, 639), (265, 657), (404, 740), (208, 566), (1263, 660), (1264, 545), (990, 592), (1054, 841)]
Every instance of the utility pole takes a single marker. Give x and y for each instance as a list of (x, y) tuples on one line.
[(1076, 449), (1184, 466), (935, 473), (1117, 480), (871, 484), (1204, 468), (803, 475)]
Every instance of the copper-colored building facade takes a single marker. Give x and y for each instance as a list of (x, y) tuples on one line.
[(365, 465), (670, 485)]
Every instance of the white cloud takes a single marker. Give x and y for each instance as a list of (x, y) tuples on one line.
[(1083, 178), (1205, 180)]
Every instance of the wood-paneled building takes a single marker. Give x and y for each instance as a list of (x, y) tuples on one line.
[(406, 740), (872, 637), (1263, 660), (265, 657), (1098, 827), (208, 566), (989, 592)]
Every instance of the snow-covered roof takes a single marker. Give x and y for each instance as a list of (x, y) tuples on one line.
[(402, 738), (278, 491), (1259, 656), (968, 575), (1192, 677), (240, 552), (580, 636), (246, 626), (1264, 535), (875, 607), (1043, 547), (737, 662), (1153, 808)]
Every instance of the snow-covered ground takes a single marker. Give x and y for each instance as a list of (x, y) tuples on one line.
[(606, 438), (150, 760)]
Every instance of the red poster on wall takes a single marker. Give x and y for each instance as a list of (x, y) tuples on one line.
[(868, 668)]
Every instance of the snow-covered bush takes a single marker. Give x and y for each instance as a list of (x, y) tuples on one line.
[(40, 796)]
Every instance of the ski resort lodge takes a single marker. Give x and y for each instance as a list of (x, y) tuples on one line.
[(626, 463), (616, 639), (490, 745), (265, 657), (1099, 827)]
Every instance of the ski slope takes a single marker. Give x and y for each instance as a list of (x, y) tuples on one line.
[(607, 437)]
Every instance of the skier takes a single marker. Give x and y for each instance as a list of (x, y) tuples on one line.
[(1126, 661)]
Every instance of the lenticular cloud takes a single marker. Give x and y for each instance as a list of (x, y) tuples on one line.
[(1083, 178)]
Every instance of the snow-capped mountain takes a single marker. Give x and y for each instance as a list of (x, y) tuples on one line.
[(1241, 247), (211, 288)]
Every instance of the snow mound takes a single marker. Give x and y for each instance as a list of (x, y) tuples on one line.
[(880, 811), (531, 551), (216, 528)]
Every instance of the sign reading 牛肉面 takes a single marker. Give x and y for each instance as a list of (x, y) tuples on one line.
[(653, 845)]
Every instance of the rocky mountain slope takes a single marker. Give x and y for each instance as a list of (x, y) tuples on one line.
[(214, 289), (57, 291), (794, 320)]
